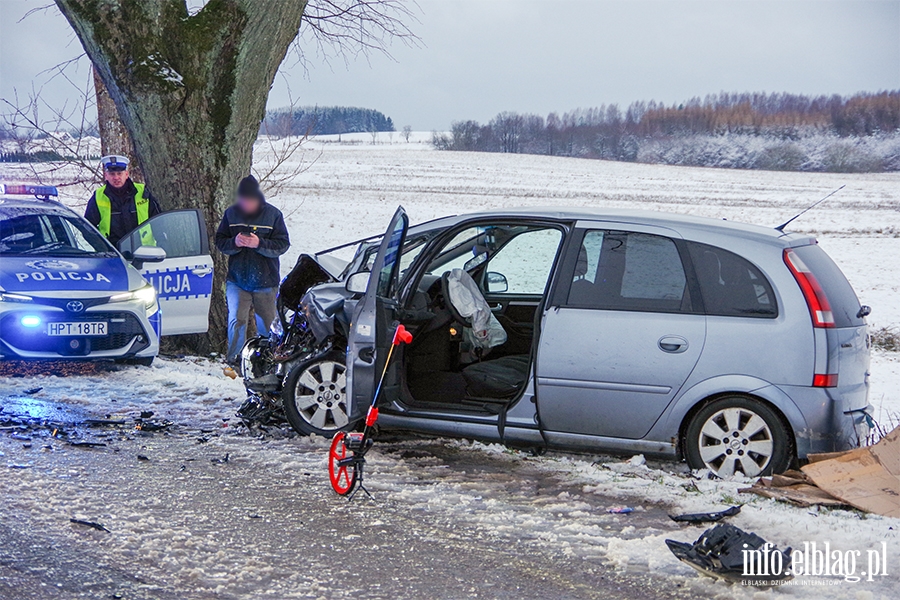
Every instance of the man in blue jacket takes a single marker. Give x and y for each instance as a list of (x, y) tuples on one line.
[(253, 235)]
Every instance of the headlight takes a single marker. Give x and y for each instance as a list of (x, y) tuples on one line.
[(146, 294), (7, 297)]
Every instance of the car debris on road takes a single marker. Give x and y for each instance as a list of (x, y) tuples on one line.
[(710, 517), (719, 552)]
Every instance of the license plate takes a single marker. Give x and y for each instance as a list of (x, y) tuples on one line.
[(86, 328)]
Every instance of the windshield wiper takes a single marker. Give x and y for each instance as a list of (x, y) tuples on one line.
[(45, 248)]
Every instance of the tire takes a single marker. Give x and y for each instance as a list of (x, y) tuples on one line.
[(314, 396), (737, 434)]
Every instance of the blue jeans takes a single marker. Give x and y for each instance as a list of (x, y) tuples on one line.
[(239, 303)]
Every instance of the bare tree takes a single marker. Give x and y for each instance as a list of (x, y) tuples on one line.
[(407, 132), (191, 88), (63, 137), (283, 158)]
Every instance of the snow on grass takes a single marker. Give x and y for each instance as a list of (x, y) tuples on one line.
[(351, 190)]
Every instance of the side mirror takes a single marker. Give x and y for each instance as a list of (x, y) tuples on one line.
[(145, 254), (497, 283), (358, 283)]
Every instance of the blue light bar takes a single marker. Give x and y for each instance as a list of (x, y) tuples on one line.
[(29, 190)]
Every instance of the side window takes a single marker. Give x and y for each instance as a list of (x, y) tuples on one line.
[(618, 270), (526, 261), (730, 285), (176, 232), (391, 257)]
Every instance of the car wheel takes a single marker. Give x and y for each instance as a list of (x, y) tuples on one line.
[(738, 435), (314, 396)]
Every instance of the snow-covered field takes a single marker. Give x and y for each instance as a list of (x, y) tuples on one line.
[(350, 190)]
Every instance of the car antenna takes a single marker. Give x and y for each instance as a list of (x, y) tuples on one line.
[(809, 208)]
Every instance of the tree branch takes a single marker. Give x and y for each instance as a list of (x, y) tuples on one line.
[(350, 28)]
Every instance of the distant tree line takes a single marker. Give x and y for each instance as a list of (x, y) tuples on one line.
[(31, 157), (763, 131), (324, 120)]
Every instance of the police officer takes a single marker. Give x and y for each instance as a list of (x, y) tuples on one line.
[(121, 205)]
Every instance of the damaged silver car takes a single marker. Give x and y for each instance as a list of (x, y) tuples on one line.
[(738, 348)]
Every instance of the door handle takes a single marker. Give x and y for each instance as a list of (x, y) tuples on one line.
[(673, 344), (367, 354), (496, 307), (202, 271)]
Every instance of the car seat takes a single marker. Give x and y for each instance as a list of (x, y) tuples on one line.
[(500, 378), (582, 291)]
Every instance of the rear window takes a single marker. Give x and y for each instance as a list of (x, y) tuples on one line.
[(844, 303), (730, 285)]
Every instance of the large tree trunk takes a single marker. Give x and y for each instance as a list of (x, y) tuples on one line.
[(114, 138), (191, 91)]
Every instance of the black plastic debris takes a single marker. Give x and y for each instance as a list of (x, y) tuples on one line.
[(220, 461), (151, 425), (732, 554), (143, 457), (33, 391), (102, 422), (710, 517), (82, 444), (146, 414), (260, 411), (90, 524)]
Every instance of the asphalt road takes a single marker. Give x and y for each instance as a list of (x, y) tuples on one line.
[(186, 524)]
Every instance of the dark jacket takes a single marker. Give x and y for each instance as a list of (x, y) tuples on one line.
[(123, 217), (254, 268)]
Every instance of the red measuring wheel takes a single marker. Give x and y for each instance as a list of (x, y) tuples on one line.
[(343, 476)]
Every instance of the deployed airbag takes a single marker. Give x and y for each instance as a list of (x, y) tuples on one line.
[(486, 331)]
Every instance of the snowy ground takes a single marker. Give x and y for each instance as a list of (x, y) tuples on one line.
[(187, 530)]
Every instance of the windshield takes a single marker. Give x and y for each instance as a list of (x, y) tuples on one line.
[(365, 255), (50, 235)]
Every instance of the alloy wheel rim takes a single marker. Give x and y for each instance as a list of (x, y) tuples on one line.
[(320, 395), (736, 440)]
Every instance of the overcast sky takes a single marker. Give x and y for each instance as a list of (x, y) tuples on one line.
[(480, 57)]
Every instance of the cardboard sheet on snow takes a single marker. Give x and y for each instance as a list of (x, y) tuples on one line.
[(794, 487), (865, 478)]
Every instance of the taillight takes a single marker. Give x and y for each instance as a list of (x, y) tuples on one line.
[(816, 300), (829, 380)]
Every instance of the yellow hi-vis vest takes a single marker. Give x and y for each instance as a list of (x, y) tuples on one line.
[(142, 208)]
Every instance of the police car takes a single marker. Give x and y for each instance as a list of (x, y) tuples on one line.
[(66, 292)]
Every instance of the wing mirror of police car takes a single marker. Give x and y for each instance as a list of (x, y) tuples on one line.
[(145, 254), (357, 283)]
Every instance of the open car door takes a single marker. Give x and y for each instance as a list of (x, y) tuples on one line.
[(371, 330), (184, 280)]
